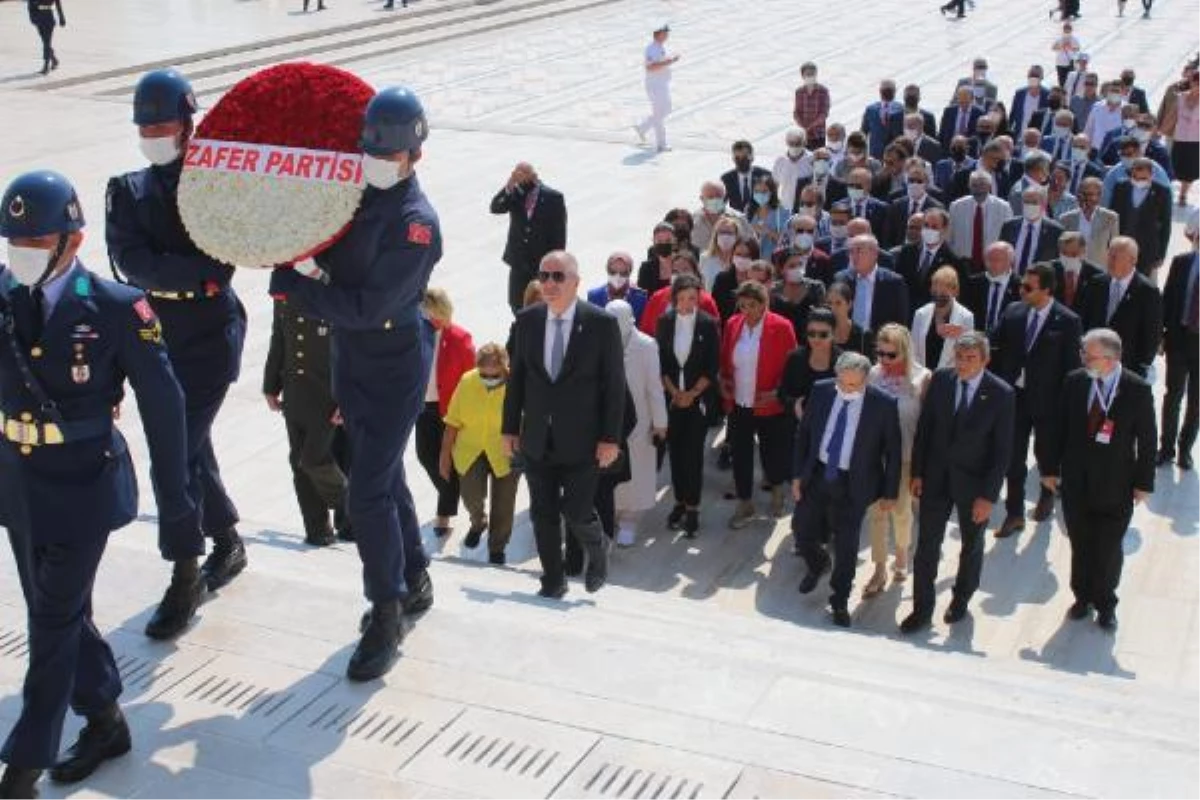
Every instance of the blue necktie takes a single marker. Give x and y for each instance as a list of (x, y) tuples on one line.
[(859, 309), (836, 442), (1031, 331), (557, 349), (961, 408)]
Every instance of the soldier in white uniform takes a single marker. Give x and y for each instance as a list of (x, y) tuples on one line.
[(658, 88)]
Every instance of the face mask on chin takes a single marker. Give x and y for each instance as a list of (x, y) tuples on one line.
[(160, 150)]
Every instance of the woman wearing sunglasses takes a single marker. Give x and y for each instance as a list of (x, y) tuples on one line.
[(897, 373)]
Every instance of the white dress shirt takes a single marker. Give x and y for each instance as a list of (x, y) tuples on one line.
[(431, 390), (548, 346), (745, 365), (853, 414), (685, 330)]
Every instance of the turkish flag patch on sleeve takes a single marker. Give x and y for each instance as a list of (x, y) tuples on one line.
[(143, 310), (420, 234)]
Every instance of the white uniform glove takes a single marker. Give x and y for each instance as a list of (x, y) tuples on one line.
[(309, 269)]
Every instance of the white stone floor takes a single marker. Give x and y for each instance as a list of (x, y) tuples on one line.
[(700, 672)]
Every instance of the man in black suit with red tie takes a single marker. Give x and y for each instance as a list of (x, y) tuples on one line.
[(959, 458), (1034, 347), (537, 224), (1104, 443), (847, 456), (1181, 345), (1127, 302), (563, 412)]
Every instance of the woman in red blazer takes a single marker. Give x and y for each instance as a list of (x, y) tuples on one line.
[(684, 263), (454, 355), (754, 349)]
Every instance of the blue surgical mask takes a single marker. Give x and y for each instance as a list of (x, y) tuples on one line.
[(761, 198)]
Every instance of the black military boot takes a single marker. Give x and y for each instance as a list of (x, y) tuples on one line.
[(226, 561), (379, 646), (106, 736), (180, 602), (19, 782), (420, 594)]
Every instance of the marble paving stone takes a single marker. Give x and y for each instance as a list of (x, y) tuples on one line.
[(500, 755), (360, 727), (618, 768), (756, 782)]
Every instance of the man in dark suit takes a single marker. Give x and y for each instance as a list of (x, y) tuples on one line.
[(990, 292), (1104, 446), (1181, 322), (880, 295), (916, 200), (1072, 270), (991, 161), (960, 118), (1026, 101), (943, 170), (912, 105), (1144, 209), (917, 262), (563, 412), (960, 455), (1081, 163), (925, 146), (862, 204), (537, 224), (1034, 348), (882, 121), (847, 456), (1133, 94), (1034, 236), (739, 181), (1128, 303)]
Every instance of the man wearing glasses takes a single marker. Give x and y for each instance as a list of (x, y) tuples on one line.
[(563, 412)]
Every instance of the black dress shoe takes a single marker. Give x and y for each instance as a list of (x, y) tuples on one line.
[(553, 592), (841, 617), (810, 581), (474, 535), (1164, 458), (497, 558), (1044, 509), (420, 594), (177, 608), (691, 524), (19, 782), (106, 736), (225, 562), (1010, 526), (597, 569), (320, 538), (1079, 609), (955, 612), (675, 518), (379, 647), (1185, 460), (1107, 619), (914, 622)]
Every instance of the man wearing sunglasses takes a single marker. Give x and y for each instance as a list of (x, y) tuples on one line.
[(564, 412)]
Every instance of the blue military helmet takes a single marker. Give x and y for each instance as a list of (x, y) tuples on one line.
[(39, 204), (395, 122), (163, 95)]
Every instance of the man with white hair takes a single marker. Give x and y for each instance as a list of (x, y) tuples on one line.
[(1127, 302), (1181, 321), (1104, 449), (792, 167), (713, 206)]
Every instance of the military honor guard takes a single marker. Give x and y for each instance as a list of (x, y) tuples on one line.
[(68, 341), (369, 285), (203, 324)]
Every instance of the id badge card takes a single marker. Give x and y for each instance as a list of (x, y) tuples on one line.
[(1104, 435)]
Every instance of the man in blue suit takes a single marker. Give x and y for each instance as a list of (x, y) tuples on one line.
[(880, 295), (862, 204), (959, 460), (959, 159), (619, 286), (847, 456), (1026, 102), (883, 121), (960, 118)]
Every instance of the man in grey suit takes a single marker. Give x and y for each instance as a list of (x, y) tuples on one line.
[(563, 411), (1098, 225)]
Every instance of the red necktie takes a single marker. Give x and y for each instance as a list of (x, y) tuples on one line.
[(530, 202), (1095, 417), (1069, 291), (977, 238)]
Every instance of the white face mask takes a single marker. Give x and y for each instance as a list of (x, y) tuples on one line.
[(915, 190), (931, 236), (795, 152), (741, 263), (837, 231), (835, 147), (848, 397), (1140, 184), (1113, 98), (1034, 83), (912, 135), (1002, 278), (1079, 153), (618, 281), (1033, 212), (803, 241), (380, 173), (159, 150), (821, 168), (810, 80), (980, 74), (795, 275), (726, 241), (714, 205), (855, 193), (1071, 263), (1062, 131), (1093, 373), (28, 265), (492, 383)]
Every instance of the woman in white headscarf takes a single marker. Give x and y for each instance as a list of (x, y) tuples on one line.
[(643, 379)]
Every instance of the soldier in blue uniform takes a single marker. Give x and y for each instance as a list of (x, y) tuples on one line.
[(204, 325), (369, 287), (68, 341), (41, 14)]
